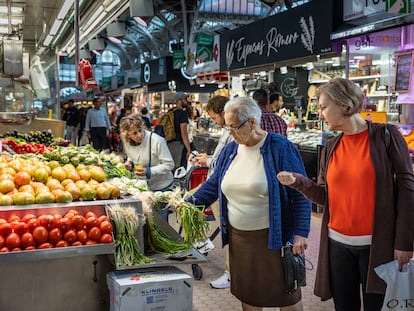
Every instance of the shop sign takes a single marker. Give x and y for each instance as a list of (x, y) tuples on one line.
[(12, 62), (154, 71), (398, 6), (204, 50), (358, 8), (178, 59), (196, 65), (297, 33)]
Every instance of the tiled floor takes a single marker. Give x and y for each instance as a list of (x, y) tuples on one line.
[(206, 298)]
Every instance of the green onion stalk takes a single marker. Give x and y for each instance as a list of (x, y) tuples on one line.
[(127, 249)]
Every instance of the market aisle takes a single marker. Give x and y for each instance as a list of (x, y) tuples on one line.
[(206, 298)]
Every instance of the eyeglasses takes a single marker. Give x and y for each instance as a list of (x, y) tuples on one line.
[(235, 128)]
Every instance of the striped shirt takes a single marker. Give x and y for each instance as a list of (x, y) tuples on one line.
[(271, 122)]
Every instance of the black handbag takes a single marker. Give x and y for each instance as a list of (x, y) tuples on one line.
[(294, 269)]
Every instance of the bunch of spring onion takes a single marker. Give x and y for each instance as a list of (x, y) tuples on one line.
[(191, 217), (161, 242), (127, 249)]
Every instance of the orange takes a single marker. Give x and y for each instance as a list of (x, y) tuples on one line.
[(22, 178), (59, 173), (102, 193), (74, 175), (7, 185), (84, 174), (97, 173)]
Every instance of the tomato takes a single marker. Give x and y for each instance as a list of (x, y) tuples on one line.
[(82, 236), (55, 235), (46, 221), (32, 224), (69, 215), (2, 241), (56, 217), (76, 243), (13, 240), (13, 218), (92, 222), (106, 238), (19, 227), (2, 221), (90, 214), (5, 229), (91, 242), (26, 217), (30, 248), (64, 224), (94, 234), (62, 243), (106, 227), (4, 250), (102, 218), (70, 236), (78, 222), (16, 249), (40, 235), (45, 245), (27, 240), (74, 212)]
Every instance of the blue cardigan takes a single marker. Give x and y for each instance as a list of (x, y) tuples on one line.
[(289, 210)]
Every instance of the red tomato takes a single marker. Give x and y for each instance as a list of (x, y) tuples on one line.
[(94, 234), (106, 238), (55, 235), (64, 224), (90, 214), (26, 217), (76, 243), (78, 222), (2, 220), (91, 242), (5, 229), (40, 235), (69, 215), (4, 250), (106, 227), (13, 240), (82, 236), (32, 224), (74, 212), (70, 236), (27, 240), (2, 241), (102, 218), (92, 222), (30, 248), (16, 249), (46, 221), (45, 245), (13, 218), (56, 217), (19, 227), (62, 243)]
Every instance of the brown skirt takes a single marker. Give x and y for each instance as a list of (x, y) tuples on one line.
[(256, 272)]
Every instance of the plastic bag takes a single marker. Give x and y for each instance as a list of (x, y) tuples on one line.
[(399, 294)]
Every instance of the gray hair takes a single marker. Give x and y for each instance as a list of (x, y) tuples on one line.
[(244, 107), (343, 92)]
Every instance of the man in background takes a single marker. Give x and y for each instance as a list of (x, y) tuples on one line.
[(97, 125), (72, 118), (270, 122), (276, 104)]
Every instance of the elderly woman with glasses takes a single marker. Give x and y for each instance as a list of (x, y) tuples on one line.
[(147, 152), (258, 214)]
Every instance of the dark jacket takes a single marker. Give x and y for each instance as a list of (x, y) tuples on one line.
[(394, 212), (289, 211)]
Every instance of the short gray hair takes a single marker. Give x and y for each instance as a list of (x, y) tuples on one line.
[(244, 107), (343, 92)]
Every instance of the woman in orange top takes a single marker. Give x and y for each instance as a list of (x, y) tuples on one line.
[(366, 222)]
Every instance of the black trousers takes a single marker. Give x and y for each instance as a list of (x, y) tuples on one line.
[(348, 270), (99, 138)]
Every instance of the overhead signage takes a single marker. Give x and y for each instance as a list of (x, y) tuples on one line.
[(197, 66), (178, 59), (359, 8), (301, 32), (204, 50), (154, 71), (398, 6)]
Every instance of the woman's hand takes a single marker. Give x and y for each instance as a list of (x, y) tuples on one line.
[(299, 245), (201, 159), (403, 257), (128, 165), (286, 178)]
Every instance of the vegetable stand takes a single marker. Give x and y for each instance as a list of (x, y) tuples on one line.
[(67, 278)]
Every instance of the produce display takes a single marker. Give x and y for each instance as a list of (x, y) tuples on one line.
[(39, 137), (52, 231)]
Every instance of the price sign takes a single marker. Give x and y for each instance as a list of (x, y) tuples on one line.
[(404, 64)]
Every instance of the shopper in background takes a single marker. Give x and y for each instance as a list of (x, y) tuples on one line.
[(276, 104), (192, 126), (215, 109), (148, 155), (145, 117), (122, 113), (180, 147), (368, 218), (270, 122), (97, 125), (258, 215), (72, 118)]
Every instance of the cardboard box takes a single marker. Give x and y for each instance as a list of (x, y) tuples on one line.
[(150, 289)]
